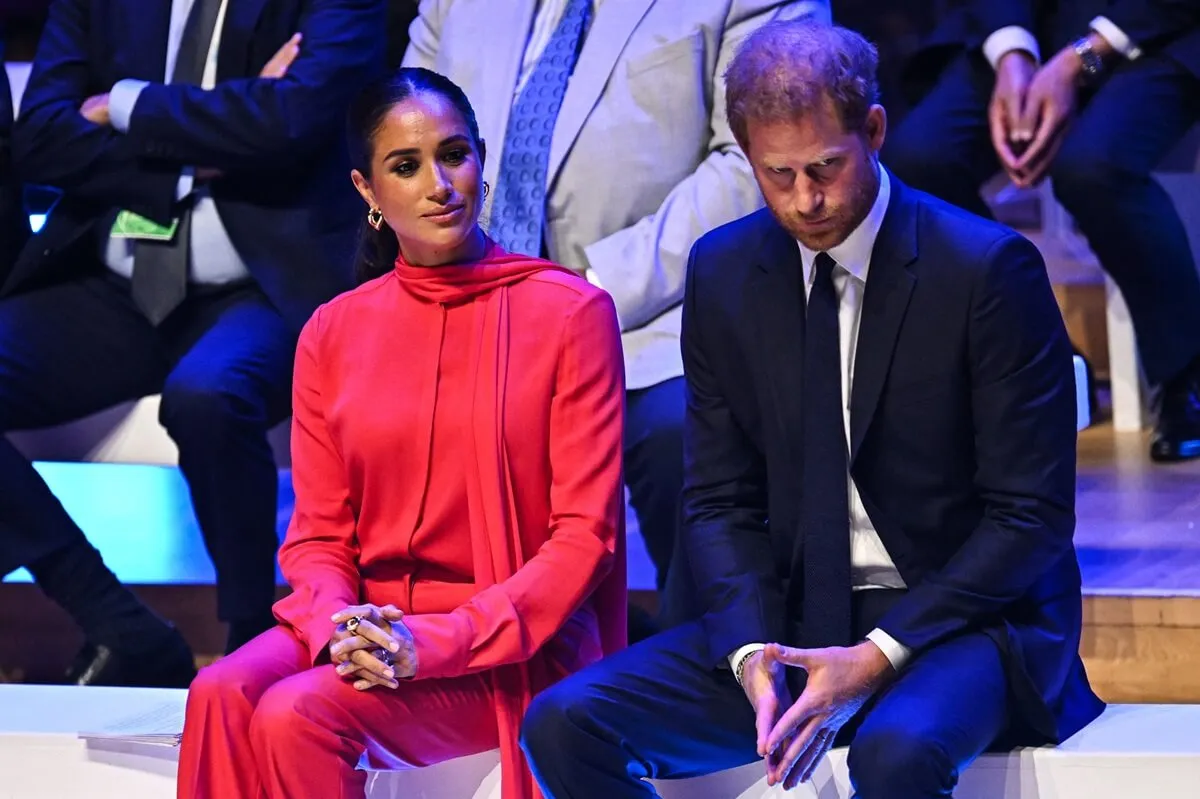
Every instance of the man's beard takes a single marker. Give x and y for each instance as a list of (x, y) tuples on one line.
[(848, 215)]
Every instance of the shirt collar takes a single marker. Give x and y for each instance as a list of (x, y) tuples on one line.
[(854, 254)]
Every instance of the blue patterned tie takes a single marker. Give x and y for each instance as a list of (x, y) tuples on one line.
[(519, 208)]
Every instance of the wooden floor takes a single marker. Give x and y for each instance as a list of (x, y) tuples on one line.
[(1138, 528), (1138, 538)]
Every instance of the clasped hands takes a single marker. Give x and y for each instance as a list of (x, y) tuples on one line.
[(377, 649), (1031, 109), (793, 739)]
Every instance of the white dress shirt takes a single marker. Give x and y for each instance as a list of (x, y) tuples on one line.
[(870, 564), (549, 13), (1014, 37), (214, 260)]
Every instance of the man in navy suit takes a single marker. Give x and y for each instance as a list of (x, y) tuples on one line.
[(880, 477), (205, 212)]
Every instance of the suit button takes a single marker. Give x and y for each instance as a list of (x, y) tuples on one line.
[(46, 253)]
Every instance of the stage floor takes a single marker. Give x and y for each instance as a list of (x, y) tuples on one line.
[(1138, 528)]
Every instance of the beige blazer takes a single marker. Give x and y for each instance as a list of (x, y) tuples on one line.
[(642, 161)]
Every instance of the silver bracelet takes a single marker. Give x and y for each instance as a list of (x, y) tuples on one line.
[(741, 665)]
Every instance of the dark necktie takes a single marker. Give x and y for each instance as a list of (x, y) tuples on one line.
[(518, 213), (160, 268), (825, 515)]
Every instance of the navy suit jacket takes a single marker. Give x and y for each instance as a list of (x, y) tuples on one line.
[(13, 227), (285, 196), (962, 443)]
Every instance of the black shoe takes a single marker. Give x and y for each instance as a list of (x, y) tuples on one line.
[(169, 665), (1177, 433)]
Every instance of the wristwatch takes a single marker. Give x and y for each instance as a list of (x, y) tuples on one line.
[(1093, 64)]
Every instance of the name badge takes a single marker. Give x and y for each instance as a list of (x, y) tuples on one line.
[(137, 227)]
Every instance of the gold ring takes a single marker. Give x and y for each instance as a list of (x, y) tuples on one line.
[(352, 623)]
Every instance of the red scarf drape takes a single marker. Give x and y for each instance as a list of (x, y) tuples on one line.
[(496, 543)]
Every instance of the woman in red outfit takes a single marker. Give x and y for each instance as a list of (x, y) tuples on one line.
[(457, 543)]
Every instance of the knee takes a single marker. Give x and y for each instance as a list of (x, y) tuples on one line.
[(282, 712), (220, 686), (551, 720), (203, 410), (1082, 173), (893, 761)]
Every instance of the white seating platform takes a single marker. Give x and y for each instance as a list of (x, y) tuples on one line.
[(1144, 751)]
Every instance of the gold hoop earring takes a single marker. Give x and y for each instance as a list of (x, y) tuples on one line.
[(375, 218), (486, 189)]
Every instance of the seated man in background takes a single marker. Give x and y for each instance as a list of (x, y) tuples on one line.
[(1119, 91), (200, 151), (609, 152)]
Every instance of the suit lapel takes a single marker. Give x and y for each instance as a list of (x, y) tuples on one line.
[(889, 287), (611, 28), (778, 312), (241, 17)]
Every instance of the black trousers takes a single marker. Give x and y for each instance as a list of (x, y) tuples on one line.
[(223, 363), (1102, 176), (657, 710)]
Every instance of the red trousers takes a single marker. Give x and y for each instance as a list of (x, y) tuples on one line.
[(263, 722)]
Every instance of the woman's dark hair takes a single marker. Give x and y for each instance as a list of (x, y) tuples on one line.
[(377, 249)]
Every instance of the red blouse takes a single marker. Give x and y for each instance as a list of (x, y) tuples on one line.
[(383, 444)]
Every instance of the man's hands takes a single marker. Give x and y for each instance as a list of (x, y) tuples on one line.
[(840, 681), (281, 62), (1031, 109), (1010, 128), (95, 110), (765, 687), (379, 651)]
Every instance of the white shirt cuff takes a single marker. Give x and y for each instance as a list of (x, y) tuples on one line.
[(740, 653), (1116, 37), (121, 100), (1007, 39), (187, 182), (592, 278), (896, 652)]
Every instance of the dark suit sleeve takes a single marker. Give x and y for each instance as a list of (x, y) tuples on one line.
[(254, 122), (988, 16), (1152, 23), (724, 500), (54, 145), (1023, 406)]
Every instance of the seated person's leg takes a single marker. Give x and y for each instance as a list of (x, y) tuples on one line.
[(653, 710), (65, 352), (309, 731), (229, 387), (943, 146), (215, 758), (943, 710), (1102, 175), (654, 473)]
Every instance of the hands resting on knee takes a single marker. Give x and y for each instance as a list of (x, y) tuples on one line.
[(371, 646), (794, 739)]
